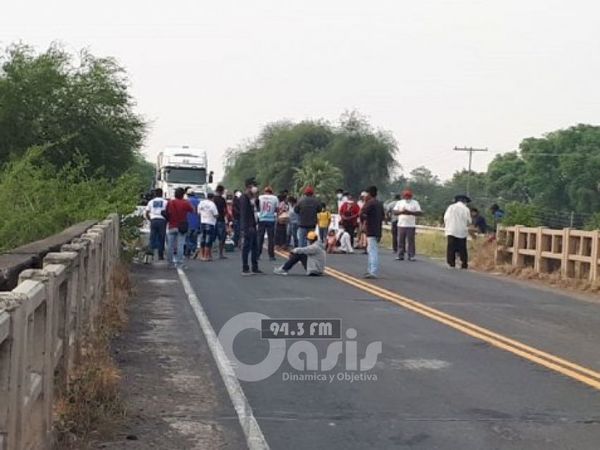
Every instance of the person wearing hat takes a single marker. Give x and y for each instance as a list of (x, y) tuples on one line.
[(267, 215), (307, 209), (407, 210), (248, 216), (312, 257), (457, 219)]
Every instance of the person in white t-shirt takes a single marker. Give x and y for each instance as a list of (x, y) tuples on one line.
[(407, 210), (456, 223), (155, 213), (208, 219), (343, 237)]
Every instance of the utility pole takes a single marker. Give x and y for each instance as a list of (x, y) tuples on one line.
[(470, 150)]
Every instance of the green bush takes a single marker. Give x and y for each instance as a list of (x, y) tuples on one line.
[(521, 214), (38, 200)]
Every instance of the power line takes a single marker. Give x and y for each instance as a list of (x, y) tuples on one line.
[(470, 150)]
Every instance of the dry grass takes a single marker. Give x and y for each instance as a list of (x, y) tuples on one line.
[(91, 406), (553, 279), (484, 259), (428, 244)]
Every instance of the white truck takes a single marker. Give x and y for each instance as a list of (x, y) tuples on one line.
[(183, 167)]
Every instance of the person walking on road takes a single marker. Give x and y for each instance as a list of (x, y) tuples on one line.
[(208, 221), (372, 215), (456, 223), (248, 221), (307, 209), (267, 216), (221, 224), (311, 256), (177, 213), (407, 210)]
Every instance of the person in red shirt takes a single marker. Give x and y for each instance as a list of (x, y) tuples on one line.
[(177, 211), (349, 213)]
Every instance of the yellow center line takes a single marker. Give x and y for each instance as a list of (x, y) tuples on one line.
[(562, 366)]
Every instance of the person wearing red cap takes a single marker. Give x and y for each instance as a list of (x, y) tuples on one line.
[(307, 209), (407, 211)]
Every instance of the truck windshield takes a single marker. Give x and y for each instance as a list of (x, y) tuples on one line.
[(186, 176)]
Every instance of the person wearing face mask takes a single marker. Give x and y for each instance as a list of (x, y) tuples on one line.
[(349, 213), (248, 223), (339, 194)]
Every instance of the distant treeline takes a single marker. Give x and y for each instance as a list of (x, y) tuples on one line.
[(551, 181)]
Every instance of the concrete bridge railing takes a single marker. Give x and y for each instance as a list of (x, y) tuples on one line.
[(42, 323), (572, 253)]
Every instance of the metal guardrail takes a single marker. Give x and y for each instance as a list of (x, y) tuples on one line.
[(42, 323), (420, 228), (572, 253)]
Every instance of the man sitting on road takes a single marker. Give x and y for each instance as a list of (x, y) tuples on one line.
[(312, 257)]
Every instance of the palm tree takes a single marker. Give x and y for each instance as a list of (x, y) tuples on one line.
[(323, 176)]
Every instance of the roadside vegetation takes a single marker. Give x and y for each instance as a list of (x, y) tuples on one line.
[(69, 142), (549, 181), (69, 152)]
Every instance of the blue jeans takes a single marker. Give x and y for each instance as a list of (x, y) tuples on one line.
[(302, 232), (293, 234), (373, 258), (191, 242), (220, 231), (176, 241), (158, 231), (208, 235)]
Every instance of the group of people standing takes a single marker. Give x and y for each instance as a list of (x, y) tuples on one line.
[(298, 221), (191, 225), (188, 224)]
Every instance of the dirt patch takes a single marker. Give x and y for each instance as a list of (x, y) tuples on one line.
[(484, 259), (91, 405)]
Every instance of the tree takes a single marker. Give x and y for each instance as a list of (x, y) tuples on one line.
[(422, 175), (506, 178), (72, 107), (364, 156), (323, 176)]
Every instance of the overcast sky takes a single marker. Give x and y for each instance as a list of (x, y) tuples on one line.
[(435, 73)]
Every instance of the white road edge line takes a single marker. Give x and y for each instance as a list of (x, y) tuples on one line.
[(254, 436)]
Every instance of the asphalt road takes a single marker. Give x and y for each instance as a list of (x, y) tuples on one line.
[(435, 385)]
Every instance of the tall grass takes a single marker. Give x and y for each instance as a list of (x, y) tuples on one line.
[(38, 200)]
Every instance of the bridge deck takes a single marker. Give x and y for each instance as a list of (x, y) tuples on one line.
[(513, 367)]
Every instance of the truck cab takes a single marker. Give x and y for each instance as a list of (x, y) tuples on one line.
[(183, 167)]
